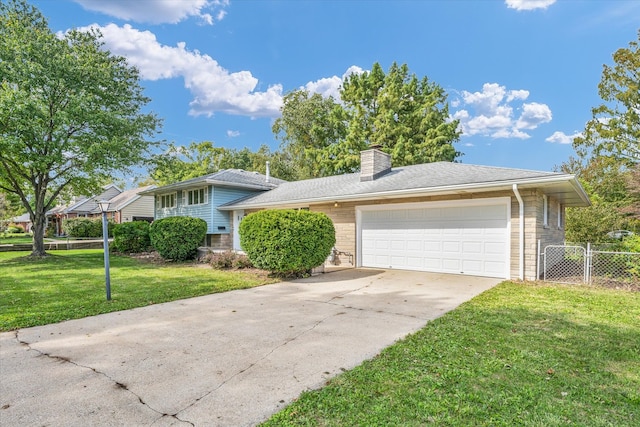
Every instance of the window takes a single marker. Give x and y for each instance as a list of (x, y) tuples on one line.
[(196, 197), (167, 201), (545, 211)]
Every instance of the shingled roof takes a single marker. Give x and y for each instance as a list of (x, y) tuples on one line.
[(225, 178), (423, 179)]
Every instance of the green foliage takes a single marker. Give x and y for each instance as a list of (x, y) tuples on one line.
[(287, 242), (614, 130), (86, 227), (408, 117), (203, 158), (307, 128), (10, 206), (70, 112), (131, 237), (177, 238), (591, 224), (15, 229)]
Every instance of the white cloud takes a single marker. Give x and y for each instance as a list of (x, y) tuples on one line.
[(159, 11), (562, 138), (330, 86), (491, 112), (533, 114), (233, 133), (529, 4), (214, 88)]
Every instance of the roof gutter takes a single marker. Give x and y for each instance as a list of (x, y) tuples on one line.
[(520, 233), (408, 192)]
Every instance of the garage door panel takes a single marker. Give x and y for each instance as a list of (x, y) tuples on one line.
[(455, 239)]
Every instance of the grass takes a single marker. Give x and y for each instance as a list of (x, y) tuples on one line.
[(71, 285), (15, 238), (519, 354)]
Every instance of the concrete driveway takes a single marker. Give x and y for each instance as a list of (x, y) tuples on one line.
[(229, 359)]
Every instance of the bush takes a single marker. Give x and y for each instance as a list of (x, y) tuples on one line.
[(131, 237), (228, 259), (86, 227), (12, 229), (287, 242), (177, 238)]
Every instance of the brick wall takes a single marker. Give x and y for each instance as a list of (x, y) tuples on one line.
[(344, 219)]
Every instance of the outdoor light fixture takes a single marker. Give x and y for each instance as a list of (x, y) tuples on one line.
[(104, 207)]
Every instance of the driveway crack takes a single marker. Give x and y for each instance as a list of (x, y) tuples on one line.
[(261, 358), (117, 383)]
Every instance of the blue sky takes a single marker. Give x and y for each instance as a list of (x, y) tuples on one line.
[(521, 75)]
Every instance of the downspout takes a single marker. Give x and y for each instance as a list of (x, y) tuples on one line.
[(521, 233)]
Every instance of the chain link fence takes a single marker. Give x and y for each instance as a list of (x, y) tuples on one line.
[(575, 263)]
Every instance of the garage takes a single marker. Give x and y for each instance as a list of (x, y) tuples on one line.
[(461, 237)]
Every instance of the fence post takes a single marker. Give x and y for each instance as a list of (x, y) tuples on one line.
[(587, 265)]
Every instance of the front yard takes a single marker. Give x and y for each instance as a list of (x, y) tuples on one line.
[(71, 285), (519, 354)]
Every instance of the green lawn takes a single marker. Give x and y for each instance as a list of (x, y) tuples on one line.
[(518, 355), (15, 239), (71, 285)]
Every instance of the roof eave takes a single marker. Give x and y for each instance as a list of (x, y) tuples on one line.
[(415, 192)]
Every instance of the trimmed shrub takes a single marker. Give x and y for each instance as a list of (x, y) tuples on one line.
[(287, 242), (86, 227), (131, 237), (12, 229), (177, 238)]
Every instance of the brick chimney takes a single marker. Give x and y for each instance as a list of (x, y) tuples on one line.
[(374, 163)]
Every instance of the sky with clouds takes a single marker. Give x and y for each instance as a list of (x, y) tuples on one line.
[(521, 75)]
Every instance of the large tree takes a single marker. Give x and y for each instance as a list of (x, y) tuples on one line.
[(408, 117), (608, 162), (306, 129), (70, 113), (614, 130), (180, 163)]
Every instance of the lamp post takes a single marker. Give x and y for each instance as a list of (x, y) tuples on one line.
[(104, 207)]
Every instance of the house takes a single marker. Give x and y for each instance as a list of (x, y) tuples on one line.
[(440, 217), (129, 206), (201, 197), (125, 206), (23, 221)]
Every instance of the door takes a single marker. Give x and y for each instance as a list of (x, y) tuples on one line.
[(237, 218), (464, 237)]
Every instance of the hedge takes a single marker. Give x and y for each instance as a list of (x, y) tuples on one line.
[(86, 227), (287, 242), (131, 237), (177, 238)]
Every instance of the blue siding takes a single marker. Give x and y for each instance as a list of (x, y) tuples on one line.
[(222, 195), (208, 211)]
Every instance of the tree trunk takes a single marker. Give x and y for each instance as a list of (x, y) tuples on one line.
[(39, 224)]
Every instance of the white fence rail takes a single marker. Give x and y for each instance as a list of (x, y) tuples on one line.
[(578, 264)]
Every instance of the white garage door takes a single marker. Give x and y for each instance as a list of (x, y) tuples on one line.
[(466, 237)]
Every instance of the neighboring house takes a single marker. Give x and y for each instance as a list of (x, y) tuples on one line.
[(23, 221), (125, 206), (129, 206), (439, 217), (200, 198)]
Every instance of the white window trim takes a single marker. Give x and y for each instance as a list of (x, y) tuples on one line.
[(559, 216), (185, 196), (545, 210), (159, 201)]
